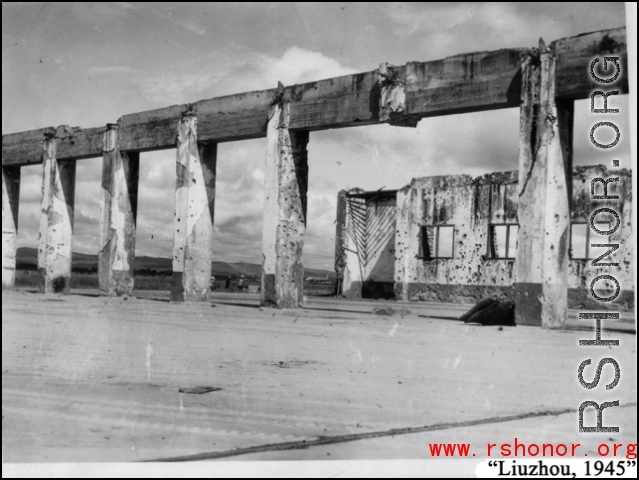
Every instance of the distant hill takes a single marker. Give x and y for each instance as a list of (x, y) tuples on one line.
[(27, 259)]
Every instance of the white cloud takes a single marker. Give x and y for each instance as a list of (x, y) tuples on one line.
[(300, 66), (232, 71)]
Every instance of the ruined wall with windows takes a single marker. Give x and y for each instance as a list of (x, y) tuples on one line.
[(455, 239), (581, 271), (444, 242)]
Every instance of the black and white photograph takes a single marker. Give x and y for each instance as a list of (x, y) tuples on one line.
[(312, 240)]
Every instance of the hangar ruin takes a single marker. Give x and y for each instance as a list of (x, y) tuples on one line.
[(543, 82)]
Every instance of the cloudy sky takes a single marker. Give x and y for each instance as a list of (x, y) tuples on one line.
[(87, 64)]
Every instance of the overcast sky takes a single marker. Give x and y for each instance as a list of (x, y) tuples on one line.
[(87, 64)]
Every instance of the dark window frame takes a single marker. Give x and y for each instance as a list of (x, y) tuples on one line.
[(424, 251), (489, 243)]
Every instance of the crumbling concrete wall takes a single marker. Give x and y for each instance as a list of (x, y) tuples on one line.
[(581, 271), (469, 205)]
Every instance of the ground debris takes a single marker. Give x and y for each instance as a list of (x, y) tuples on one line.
[(391, 312), (295, 363), (199, 390)]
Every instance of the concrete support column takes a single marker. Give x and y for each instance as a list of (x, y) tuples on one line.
[(285, 204), (10, 201), (56, 220), (194, 214), (545, 163), (341, 241), (120, 176)]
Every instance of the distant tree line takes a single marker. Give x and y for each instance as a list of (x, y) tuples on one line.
[(152, 272)]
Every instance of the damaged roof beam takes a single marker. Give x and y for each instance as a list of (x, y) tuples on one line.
[(397, 95)]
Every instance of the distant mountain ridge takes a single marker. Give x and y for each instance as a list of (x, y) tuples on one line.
[(27, 258)]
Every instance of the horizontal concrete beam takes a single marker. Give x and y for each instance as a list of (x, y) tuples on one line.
[(573, 58), (26, 148), (459, 84)]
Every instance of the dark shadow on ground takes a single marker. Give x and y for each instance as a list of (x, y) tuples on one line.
[(439, 317), (232, 304), (89, 295)]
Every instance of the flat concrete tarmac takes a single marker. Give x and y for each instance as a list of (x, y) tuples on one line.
[(90, 379)]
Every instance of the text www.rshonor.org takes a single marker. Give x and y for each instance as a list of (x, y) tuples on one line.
[(518, 449)]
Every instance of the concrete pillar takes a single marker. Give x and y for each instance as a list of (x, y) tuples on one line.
[(120, 175), (10, 201), (286, 185), (194, 214), (545, 164), (56, 220), (341, 242)]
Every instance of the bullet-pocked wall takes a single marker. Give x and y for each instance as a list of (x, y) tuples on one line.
[(442, 238), (582, 273), (456, 236)]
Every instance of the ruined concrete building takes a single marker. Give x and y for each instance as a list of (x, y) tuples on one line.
[(454, 239), (430, 240)]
